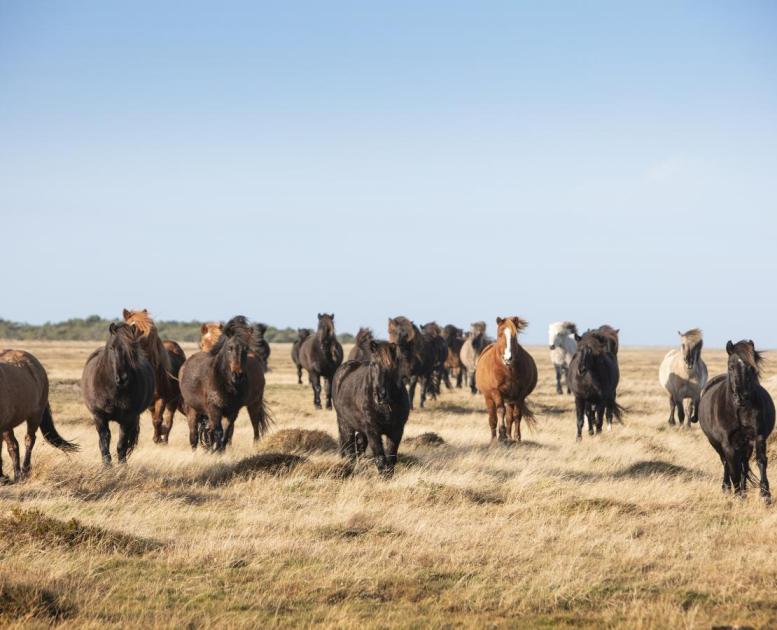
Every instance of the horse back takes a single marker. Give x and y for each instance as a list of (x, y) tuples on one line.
[(24, 388)]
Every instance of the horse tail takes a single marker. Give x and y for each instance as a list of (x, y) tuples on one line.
[(50, 433), (618, 411), (527, 415), (748, 472)]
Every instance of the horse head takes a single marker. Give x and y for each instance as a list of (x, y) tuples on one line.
[(691, 343), (383, 371), (122, 350), (232, 348), (744, 367), (507, 330), (326, 325)]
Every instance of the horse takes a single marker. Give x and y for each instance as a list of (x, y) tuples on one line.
[(24, 397), (321, 354), (261, 346), (362, 344), (506, 375), (610, 335), (473, 345), (118, 385), (302, 334), (454, 339), (737, 415), (209, 335), (683, 374), (440, 374), (563, 343), (220, 382), (417, 356), (166, 358), (371, 401), (592, 378)]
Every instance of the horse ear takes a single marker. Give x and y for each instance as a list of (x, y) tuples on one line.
[(332, 316), (126, 314), (221, 326), (577, 337), (112, 329), (499, 321), (145, 310), (204, 329), (679, 333), (729, 347), (319, 315), (752, 345)]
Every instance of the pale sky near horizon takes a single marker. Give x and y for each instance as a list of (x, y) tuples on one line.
[(597, 161)]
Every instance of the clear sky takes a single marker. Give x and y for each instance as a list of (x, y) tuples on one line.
[(593, 161)]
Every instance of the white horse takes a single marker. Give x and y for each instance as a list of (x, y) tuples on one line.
[(683, 374), (562, 337)]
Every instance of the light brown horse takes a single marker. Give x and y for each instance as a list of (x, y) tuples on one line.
[(209, 335), (24, 397), (166, 359), (506, 374)]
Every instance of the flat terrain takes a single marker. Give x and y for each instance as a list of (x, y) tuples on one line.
[(627, 529)]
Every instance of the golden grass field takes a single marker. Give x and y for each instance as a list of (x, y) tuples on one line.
[(627, 529)]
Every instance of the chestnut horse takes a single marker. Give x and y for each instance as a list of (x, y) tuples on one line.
[(209, 335), (24, 397), (166, 359), (506, 375)]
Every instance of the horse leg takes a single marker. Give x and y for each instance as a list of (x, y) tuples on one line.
[(608, 411), (104, 436), (215, 427), (128, 438), (566, 379), (328, 385), (600, 419), (589, 414), (502, 411), (392, 445), (299, 375), (509, 420), (13, 451), (492, 421), (193, 421), (315, 383), (681, 412), (734, 462), (580, 411), (472, 386), (672, 405), (256, 413), (411, 389), (347, 441), (375, 443), (157, 409), (760, 455), (558, 380), (29, 442), (446, 378), (695, 409), (227, 435), (167, 424), (517, 417)]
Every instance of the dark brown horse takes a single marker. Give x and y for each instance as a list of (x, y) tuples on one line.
[(260, 344), (454, 340), (361, 347), (302, 334), (219, 383), (610, 336), (439, 375), (417, 355), (166, 358), (24, 397), (321, 354), (118, 385), (592, 378), (737, 415), (371, 401), (506, 375)]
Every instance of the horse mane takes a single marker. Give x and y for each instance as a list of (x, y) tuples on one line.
[(519, 323), (260, 330), (153, 346), (432, 329), (304, 333), (746, 350), (593, 340), (237, 327), (126, 335), (382, 354), (692, 336), (403, 323)]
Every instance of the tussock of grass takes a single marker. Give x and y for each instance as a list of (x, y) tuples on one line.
[(428, 439), (299, 441), (20, 601), (34, 527), (275, 464)]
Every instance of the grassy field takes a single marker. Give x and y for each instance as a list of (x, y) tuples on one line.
[(628, 529)]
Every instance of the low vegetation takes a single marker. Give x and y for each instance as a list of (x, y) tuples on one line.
[(627, 529)]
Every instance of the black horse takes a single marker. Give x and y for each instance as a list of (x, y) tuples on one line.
[(321, 354), (302, 334), (593, 377), (454, 340), (417, 356), (371, 401), (433, 331), (361, 347), (219, 383), (118, 385), (260, 345), (737, 415)]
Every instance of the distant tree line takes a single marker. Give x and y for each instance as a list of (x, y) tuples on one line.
[(95, 328)]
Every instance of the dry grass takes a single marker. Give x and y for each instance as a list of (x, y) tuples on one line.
[(628, 529)]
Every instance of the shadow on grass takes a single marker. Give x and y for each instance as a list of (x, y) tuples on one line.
[(18, 601), (262, 463), (647, 468)]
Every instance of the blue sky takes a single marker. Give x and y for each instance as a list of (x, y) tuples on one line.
[(594, 161)]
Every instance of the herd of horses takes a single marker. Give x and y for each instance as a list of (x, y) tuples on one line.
[(373, 391)]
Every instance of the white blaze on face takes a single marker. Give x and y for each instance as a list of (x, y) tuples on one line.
[(508, 355)]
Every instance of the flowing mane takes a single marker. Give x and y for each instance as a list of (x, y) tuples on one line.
[(692, 336), (747, 352), (151, 342), (237, 327)]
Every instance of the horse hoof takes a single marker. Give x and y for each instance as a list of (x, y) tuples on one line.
[(579, 438), (609, 428), (4, 481)]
